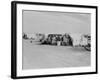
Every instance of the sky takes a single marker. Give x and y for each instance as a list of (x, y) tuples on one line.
[(56, 22)]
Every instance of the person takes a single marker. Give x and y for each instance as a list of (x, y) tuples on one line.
[(31, 41)]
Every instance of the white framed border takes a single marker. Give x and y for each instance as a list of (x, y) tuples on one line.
[(36, 72)]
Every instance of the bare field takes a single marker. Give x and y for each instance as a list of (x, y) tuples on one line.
[(36, 56)]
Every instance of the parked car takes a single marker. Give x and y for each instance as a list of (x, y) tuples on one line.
[(88, 46)]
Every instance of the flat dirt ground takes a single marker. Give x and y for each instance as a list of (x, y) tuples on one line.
[(36, 56)]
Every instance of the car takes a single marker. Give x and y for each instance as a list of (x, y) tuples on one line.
[(88, 46)]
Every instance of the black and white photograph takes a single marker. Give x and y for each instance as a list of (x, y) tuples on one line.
[(54, 39)]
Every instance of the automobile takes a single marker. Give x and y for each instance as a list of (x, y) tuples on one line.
[(88, 46)]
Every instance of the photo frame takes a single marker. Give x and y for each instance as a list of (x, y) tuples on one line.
[(37, 15)]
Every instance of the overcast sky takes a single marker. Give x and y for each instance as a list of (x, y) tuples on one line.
[(56, 22)]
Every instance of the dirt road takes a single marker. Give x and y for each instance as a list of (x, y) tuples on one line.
[(37, 56)]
